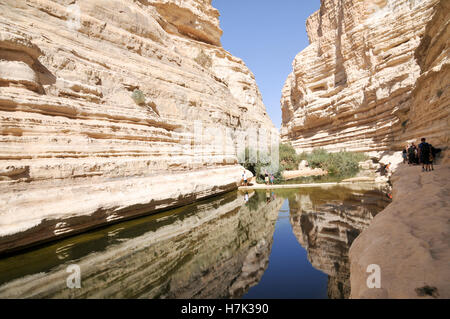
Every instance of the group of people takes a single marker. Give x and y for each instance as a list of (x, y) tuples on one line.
[(423, 154)]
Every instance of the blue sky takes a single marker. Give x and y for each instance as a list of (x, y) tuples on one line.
[(266, 35)]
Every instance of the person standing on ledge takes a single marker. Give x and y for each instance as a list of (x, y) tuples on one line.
[(405, 155), (424, 155)]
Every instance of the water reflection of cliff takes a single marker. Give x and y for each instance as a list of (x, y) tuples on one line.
[(217, 249), (326, 221)]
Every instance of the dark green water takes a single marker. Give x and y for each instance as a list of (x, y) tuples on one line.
[(283, 244)]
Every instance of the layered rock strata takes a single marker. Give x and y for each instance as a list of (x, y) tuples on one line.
[(374, 76), (408, 241), (109, 109), (215, 249)]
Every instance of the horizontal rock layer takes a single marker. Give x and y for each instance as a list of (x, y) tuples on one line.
[(374, 76), (110, 109)]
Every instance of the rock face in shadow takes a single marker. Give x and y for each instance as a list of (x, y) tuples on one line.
[(215, 249), (409, 240), (374, 76), (326, 226), (113, 108)]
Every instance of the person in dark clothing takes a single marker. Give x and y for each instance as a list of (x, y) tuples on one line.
[(405, 155), (425, 155), (434, 153)]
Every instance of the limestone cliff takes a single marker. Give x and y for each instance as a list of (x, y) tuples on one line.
[(110, 109), (374, 76), (429, 114)]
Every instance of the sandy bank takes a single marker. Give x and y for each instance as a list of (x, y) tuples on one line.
[(409, 240), (305, 172)]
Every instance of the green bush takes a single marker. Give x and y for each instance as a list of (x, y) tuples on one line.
[(138, 97)]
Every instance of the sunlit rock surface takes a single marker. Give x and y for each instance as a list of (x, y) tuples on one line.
[(374, 76), (409, 240), (114, 108), (326, 224), (214, 249), (430, 109)]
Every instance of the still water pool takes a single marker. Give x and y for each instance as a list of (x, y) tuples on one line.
[(264, 244)]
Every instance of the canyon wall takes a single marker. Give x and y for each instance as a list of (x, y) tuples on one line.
[(114, 108), (374, 76)]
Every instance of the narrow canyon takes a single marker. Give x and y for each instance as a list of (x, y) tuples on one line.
[(375, 75)]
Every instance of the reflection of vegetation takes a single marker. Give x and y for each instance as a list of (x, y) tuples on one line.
[(342, 164)]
